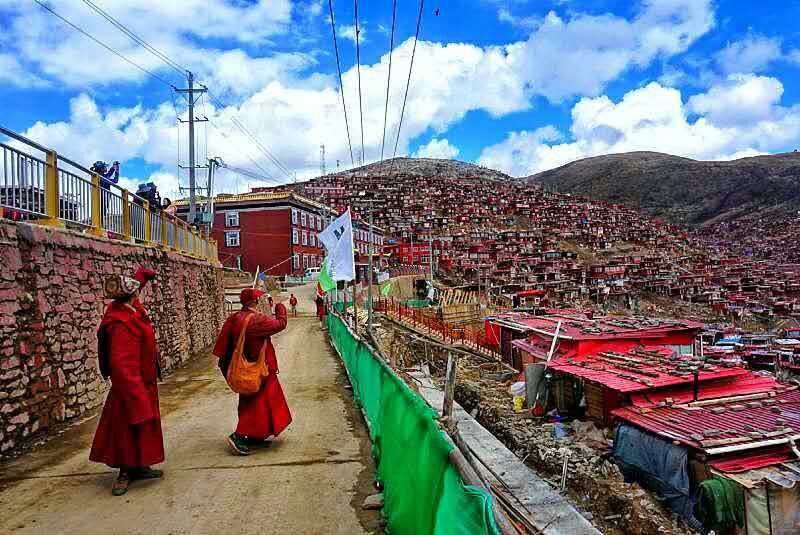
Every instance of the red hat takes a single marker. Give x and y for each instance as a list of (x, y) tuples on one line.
[(144, 275), (250, 294)]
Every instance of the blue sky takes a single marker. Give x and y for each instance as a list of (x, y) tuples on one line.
[(519, 85)]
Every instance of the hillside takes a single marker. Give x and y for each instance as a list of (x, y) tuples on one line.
[(682, 190), (430, 167)]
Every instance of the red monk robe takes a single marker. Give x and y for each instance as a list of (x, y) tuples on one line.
[(266, 413), (129, 432)]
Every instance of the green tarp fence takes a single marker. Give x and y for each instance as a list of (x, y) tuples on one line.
[(423, 492)]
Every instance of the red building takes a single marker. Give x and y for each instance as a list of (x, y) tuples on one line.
[(407, 254), (276, 231), (525, 339)]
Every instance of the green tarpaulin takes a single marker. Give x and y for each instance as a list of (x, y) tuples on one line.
[(423, 492)]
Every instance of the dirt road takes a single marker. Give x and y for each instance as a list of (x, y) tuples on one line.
[(311, 480)]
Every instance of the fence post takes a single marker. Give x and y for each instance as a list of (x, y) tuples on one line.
[(126, 216), (51, 193), (97, 208), (163, 227), (146, 218)]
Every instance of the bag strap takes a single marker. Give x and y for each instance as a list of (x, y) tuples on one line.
[(240, 342)]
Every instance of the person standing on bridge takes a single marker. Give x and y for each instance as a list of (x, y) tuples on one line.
[(129, 436), (264, 414), (293, 303)]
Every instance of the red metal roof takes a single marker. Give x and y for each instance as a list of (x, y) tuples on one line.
[(748, 383), (578, 326), (742, 462), (641, 369), (730, 422)]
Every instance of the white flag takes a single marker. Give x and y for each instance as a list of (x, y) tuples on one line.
[(338, 241)]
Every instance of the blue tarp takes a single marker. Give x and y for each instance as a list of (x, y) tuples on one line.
[(658, 465)]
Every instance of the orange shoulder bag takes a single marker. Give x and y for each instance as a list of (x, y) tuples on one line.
[(244, 377)]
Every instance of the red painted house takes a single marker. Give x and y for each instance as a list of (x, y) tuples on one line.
[(526, 339), (272, 231)]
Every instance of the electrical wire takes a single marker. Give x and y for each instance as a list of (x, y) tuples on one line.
[(274, 159), (388, 77), (260, 168), (408, 82), (358, 68), (147, 46), (341, 85), (99, 42)]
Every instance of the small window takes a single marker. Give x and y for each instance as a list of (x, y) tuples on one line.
[(304, 221), (294, 216), (305, 238), (312, 240), (305, 262), (319, 223), (296, 262), (232, 219), (232, 239), (295, 236)]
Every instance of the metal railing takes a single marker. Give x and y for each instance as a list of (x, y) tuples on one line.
[(52, 190)]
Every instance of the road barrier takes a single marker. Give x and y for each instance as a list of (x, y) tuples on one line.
[(52, 190), (423, 492)]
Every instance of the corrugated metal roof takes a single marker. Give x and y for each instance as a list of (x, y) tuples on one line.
[(748, 460), (579, 327), (743, 423), (749, 383), (642, 369)]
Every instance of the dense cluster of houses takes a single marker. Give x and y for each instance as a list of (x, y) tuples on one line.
[(514, 238), (714, 438)]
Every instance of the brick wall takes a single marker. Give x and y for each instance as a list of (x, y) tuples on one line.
[(51, 302)]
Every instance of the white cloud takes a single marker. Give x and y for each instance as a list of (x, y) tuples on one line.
[(741, 99), (11, 71), (293, 112), (563, 58), (654, 118), (505, 15), (42, 42), (752, 54), (348, 31), (437, 148)]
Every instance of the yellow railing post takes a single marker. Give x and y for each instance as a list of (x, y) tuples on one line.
[(97, 212), (146, 217), (126, 215), (164, 223), (51, 195), (197, 251)]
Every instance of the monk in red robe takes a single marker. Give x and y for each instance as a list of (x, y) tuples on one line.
[(128, 436), (266, 413)]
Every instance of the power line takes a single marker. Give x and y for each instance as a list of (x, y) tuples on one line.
[(358, 67), (388, 77), (107, 47), (124, 29), (223, 134), (341, 85), (270, 156), (408, 82)]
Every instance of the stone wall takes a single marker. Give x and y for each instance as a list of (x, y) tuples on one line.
[(51, 302)]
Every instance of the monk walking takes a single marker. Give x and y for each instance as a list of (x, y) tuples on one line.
[(128, 436), (266, 413)]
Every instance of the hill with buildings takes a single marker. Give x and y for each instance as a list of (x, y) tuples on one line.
[(518, 238), (682, 190)]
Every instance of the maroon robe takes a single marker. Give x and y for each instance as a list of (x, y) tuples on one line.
[(265, 413), (129, 432)]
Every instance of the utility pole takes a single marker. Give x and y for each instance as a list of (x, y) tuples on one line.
[(190, 92), (369, 285), (322, 169), (430, 245)]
